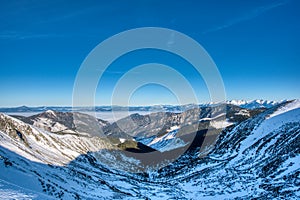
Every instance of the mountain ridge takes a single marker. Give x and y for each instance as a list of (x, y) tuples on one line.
[(257, 157), (258, 103)]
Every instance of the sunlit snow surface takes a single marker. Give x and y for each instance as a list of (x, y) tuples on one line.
[(259, 158), (291, 106), (9, 191), (166, 142)]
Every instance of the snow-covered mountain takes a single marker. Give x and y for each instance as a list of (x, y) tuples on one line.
[(45, 147), (257, 156), (137, 125), (155, 108), (255, 103), (66, 122), (170, 136)]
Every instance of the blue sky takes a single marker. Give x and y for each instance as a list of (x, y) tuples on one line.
[(255, 45)]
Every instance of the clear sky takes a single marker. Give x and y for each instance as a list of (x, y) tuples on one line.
[(255, 44)]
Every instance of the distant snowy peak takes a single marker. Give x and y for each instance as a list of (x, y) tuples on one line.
[(151, 108), (51, 112), (255, 103)]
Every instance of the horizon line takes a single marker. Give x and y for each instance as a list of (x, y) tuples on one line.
[(211, 102)]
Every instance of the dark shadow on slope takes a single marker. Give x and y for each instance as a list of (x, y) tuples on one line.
[(152, 159), (59, 182)]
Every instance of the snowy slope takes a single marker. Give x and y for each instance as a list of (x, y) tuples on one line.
[(42, 146), (165, 142), (66, 123), (257, 158)]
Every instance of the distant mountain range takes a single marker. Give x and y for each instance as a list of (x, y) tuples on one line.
[(255, 103), (71, 155), (156, 108)]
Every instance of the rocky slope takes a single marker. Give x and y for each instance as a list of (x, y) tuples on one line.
[(160, 122), (257, 158), (66, 122)]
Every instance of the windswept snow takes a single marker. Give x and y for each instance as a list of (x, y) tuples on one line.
[(9, 191), (287, 114), (290, 106)]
